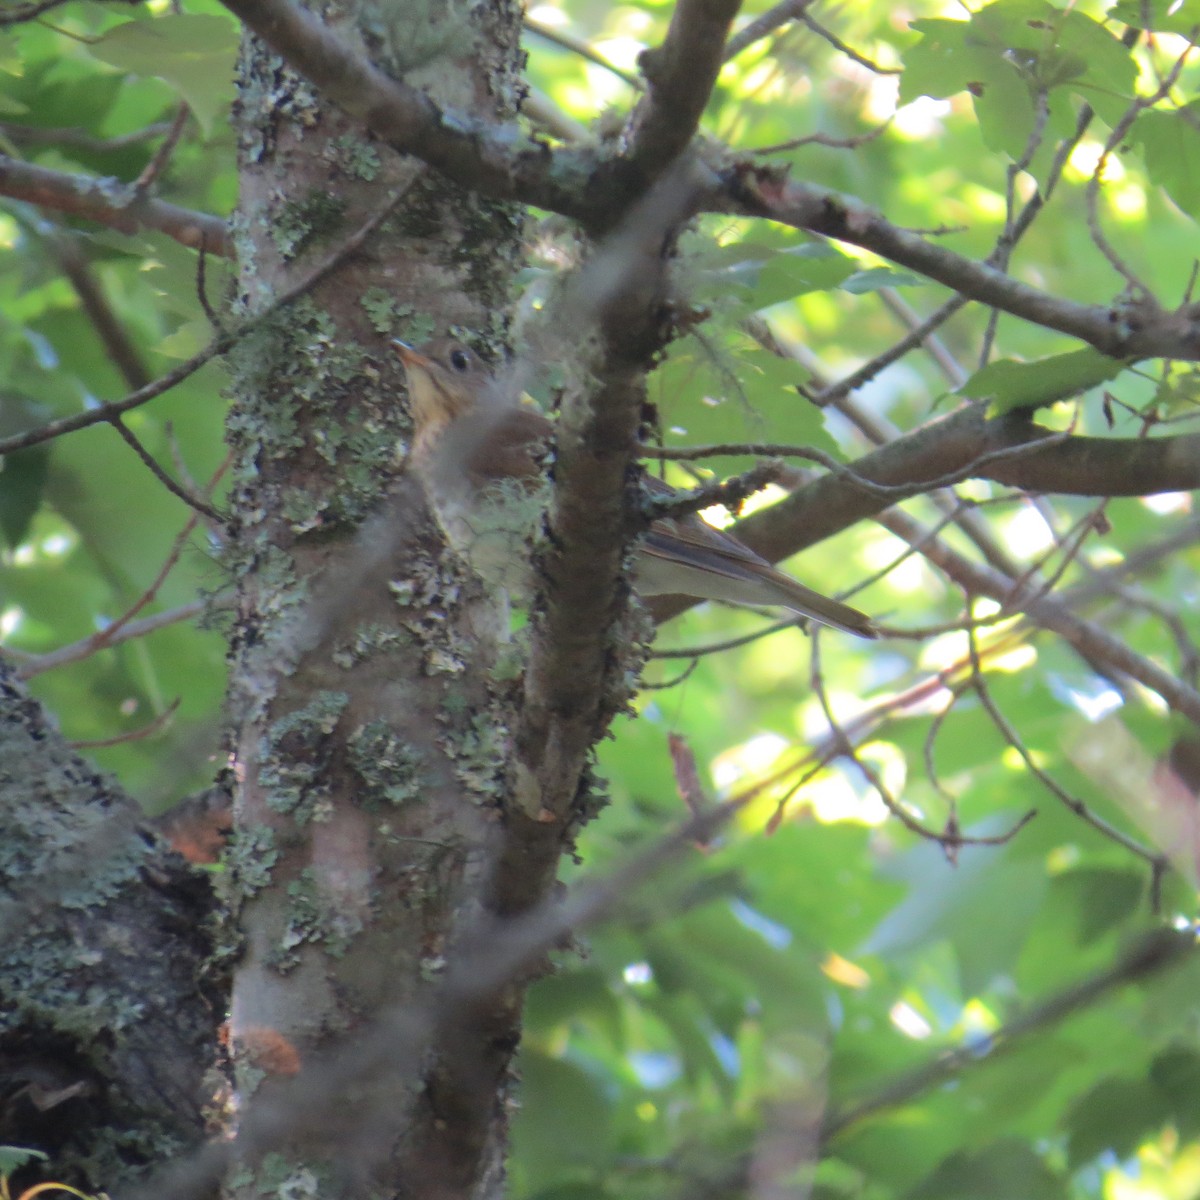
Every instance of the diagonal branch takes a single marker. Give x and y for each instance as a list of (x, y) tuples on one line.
[(588, 185), (681, 74), (1157, 951), (947, 447), (577, 674), (500, 161), (1131, 330)]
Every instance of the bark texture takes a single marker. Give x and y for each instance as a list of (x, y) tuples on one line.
[(108, 1007), (368, 712)]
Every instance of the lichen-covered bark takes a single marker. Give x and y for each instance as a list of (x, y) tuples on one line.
[(108, 1005), (368, 721)]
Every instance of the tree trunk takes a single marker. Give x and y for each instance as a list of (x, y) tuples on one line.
[(368, 729), (108, 1003)]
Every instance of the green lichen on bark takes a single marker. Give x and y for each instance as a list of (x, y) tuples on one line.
[(313, 918), (390, 768), (293, 756), (250, 856), (103, 983)]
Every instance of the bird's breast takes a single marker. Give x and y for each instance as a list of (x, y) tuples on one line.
[(490, 526)]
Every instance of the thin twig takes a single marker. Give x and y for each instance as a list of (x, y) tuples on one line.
[(120, 348), (578, 46), (219, 345), (761, 27), (134, 735), (1010, 735), (849, 51), (161, 474), (40, 135), (698, 652), (825, 139), (1118, 134), (39, 664), (158, 161)]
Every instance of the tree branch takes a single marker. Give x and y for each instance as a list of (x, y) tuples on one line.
[(1093, 642), (943, 448), (112, 203), (1072, 466), (1134, 329), (1156, 952), (500, 161), (576, 678), (581, 183), (774, 18), (681, 74)]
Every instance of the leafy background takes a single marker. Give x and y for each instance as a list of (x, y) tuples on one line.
[(815, 951)]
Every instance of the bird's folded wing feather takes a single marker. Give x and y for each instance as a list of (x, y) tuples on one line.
[(504, 445), (692, 538)]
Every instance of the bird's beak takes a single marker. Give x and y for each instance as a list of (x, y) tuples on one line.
[(410, 357)]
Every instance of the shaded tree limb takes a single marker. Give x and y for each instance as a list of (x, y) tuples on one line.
[(943, 447), (576, 678), (108, 992), (502, 162), (1128, 328), (111, 203), (589, 185), (681, 74), (1074, 466)]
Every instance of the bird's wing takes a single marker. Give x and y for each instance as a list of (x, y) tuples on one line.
[(504, 445), (675, 537), (690, 542)]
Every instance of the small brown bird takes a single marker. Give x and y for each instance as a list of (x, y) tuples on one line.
[(481, 457)]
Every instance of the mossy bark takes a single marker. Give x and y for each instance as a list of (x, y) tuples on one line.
[(367, 732), (109, 1004)]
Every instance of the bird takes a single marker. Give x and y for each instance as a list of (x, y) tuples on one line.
[(481, 456)]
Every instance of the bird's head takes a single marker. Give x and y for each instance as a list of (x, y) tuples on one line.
[(445, 381)]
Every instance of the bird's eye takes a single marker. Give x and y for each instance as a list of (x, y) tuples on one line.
[(459, 360)]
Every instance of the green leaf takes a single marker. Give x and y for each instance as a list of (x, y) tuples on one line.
[(1114, 1116), (813, 267), (940, 63), (1001, 1171), (1012, 51), (565, 1118), (1170, 143), (1176, 1074), (23, 474), (1160, 16), (752, 396), (194, 52), (561, 999), (874, 278), (22, 487), (1107, 897), (1011, 385), (13, 1158)]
